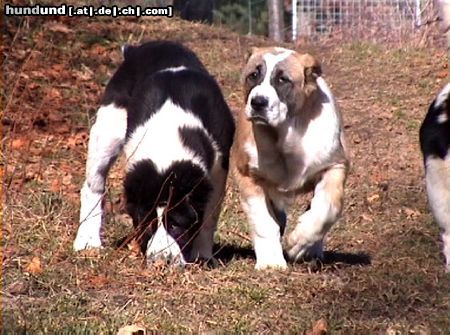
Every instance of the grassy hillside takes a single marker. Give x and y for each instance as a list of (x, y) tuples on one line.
[(383, 272)]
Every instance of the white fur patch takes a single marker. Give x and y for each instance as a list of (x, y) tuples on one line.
[(322, 135), (280, 49), (266, 234), (276, 110), (438, 189), (88, 235), (158, 138), (107, 136), (162, 245), (252, 152), (442, 118), (106, 139), (174, 69), (443, 94)]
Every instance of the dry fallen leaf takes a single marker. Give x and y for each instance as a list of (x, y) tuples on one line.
[(84, 75), (412, 213), (134, 248), (35, 266), (53, 93), (442, 74), (132, 330), (319, 328), (19, 143), (97, 49), (67, 179), (55, 186), (98, 281), (77, 140), (373, 197)]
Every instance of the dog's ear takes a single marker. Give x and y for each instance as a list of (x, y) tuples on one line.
[(312, 68), (250, 52)]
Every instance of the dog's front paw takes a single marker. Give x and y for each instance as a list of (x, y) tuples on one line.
[(85, 241), (88, 235), (270, 258), (300, 248), (274, 264), (269, 254)]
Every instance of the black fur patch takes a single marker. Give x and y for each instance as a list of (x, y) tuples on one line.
[(279, 215), (435, 136), (197, 140), (143, 61)]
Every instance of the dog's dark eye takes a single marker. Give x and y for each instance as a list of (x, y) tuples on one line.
[(283, 79), (253, 76)]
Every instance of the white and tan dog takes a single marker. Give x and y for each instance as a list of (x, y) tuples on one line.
[(289, 141)]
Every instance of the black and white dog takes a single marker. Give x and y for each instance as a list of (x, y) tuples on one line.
[(170, 117), (435, 145)]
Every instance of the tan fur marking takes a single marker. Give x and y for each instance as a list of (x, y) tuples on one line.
[(310, 69), (244, 133), (334, 186), (247, 185)]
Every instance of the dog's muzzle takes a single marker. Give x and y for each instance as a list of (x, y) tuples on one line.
[(258, 111)]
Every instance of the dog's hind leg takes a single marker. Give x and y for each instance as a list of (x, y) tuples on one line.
[(306, 240), (106, 140)]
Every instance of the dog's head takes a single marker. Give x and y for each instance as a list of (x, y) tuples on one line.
[(277, 82), (175, 198)]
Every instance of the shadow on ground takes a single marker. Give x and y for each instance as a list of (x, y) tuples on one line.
[(347, 258), (226, 253)]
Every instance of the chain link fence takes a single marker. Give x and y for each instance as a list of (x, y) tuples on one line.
[(411, 21), (385, 20)]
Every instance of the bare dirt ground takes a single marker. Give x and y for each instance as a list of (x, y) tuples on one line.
[(383, 272)]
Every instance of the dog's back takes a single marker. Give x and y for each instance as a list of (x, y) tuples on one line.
[(435, 146), (142, 61)]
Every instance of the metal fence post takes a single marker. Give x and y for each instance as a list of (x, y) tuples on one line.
[(294, 20)]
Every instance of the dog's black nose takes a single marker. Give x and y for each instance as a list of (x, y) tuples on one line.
[(259, 103)]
